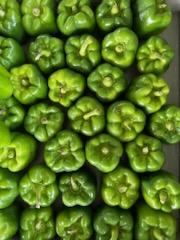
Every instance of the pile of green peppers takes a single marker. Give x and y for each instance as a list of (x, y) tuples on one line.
[(81, 147)]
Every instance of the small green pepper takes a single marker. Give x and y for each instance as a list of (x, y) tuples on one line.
[(6, 88)]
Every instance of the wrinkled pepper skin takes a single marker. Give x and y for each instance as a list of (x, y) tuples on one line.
[(104, 152), (145, 154), (120, 188), (161, 191), (47, 52), (154, 56), (87, 116), (165, 124), (149, 92), (74, 223), (107, 82), (75, 16), (152, 224), (119, 47), (82, 53), (64, 152), (28, 83), (125, 121), (113, 223), (37, 224), (38, 187), (77, 188), (6, 88), (38, 16), (43, 121), (65, 86), (5, 135)]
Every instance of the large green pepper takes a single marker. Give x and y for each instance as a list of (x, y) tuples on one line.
[(119, 47), (87, 116), (113, 223), (28, 83), (82, 53), (107, 81), (149, 92), (38, 187), (77, 188), (43, 121), (125, 121), (64, 153), (74, 223), (47, 52), (104, 152), (65, 86), (120, 188), (145, 154), (75, 16), (37, 224), (6, 88)]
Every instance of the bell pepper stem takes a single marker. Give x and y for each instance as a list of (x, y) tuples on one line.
[(74, 185), (93, 113), (85, 45), (122, 188), (107, 81), (163, 197), (114, 233), (115, 9), (36, 12), (170, 126), (145, 150), (43, 53), (2, 12)]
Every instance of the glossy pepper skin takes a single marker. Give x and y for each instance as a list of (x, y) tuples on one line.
[(145, 154), (6, 88), (154, 56), (74, 223), (38, 16), (125, 121), (120, 188), (107, 82), (165, 124), (37, 224), (65, 86), (47, 52), (38, 187), (152, 224), (119, 47), (28, 83), (43, 121), (113, 223), (104, 152), (149, 92), (161, 191), (64, 152), (82, 53), (77, 188), (75, 16), (5, 135), (87, 116)]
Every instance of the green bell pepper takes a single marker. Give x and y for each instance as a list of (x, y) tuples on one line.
[(38, 186), (77, 188), (119, 47), (104, 152), (87, 116), (113, 223), (107, 82), (151, 17), (125, 121), (38, 16), (149, 92), (161, 191), (152, 224), (28, 83), (10, 19), (74, 223), (11, 112), (82, 53), (6, 88), (64, 153), (37, 224), (18, 153), (5, 135), (65, 86), (145, 154), (165, 124), (75, 16), (154, 56), (43, 121), (120, 188), (47, 52)]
